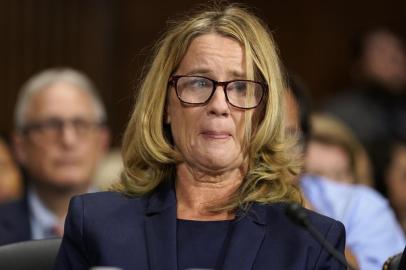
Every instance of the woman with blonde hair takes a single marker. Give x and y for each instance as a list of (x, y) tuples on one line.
[(206, 167), (334, 151)]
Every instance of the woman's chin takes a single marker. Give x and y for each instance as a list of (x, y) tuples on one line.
[(220, 161)]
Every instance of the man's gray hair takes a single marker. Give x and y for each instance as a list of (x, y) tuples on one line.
[(48, 77)]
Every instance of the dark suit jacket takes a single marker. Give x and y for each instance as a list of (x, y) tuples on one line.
[(402, 263), (108, 229), (14, 222)]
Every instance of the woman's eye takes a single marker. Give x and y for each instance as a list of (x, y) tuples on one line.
[(200, 83), (239, 87)]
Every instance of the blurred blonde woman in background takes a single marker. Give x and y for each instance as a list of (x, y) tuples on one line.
[(333, 151)]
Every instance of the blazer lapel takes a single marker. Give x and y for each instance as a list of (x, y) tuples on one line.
[(160, 228), (246, 236)]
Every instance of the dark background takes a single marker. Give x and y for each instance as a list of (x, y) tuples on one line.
[(110, 40)]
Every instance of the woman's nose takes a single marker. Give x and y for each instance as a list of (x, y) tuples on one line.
[(218, 104)]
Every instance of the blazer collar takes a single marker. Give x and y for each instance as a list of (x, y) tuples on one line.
[(162, 198), (256, 212), (245, 237), (160, 228)]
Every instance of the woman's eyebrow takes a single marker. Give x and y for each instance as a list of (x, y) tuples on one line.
[(208, 72), (199, 71), (237, 74)]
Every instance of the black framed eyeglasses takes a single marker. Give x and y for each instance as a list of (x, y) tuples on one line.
[(52, 128), (198, 90)]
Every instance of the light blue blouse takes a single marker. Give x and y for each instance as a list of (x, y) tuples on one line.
[(373, 233)]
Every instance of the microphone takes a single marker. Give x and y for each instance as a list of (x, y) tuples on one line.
[(298, 215)]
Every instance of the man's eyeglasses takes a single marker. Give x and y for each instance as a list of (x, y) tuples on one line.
[(53, 128), (198, 90)]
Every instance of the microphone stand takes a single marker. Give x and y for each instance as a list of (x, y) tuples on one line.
[(297, 214)]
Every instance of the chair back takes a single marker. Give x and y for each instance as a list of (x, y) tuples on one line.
[(34, 254)]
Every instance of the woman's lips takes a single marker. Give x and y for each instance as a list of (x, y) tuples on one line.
[(216, 135)]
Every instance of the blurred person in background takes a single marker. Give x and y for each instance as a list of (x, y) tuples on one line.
[(373, 233), (11, 181), (60, 136), (109, 170), (395, 179), (334, 152), (375, 106)]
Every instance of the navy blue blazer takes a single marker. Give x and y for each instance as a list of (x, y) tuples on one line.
[(14, 222), (109, 229)]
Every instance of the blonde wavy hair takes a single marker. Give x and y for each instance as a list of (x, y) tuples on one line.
[(149, 156)]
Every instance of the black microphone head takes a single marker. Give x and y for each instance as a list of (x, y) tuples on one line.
[(296, 213)]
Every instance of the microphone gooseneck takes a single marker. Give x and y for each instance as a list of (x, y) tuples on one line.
[(298, 215)]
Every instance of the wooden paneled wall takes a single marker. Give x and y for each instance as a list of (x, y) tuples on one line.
[(110, 41), (39, 34)]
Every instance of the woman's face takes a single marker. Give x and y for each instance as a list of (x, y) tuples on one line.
[(328, 160), (209, 136)]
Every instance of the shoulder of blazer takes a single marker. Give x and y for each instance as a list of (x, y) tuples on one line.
[(276, 211), (114, 205), (107, 202)]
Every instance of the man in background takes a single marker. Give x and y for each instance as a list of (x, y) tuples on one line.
[(60, 136)]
